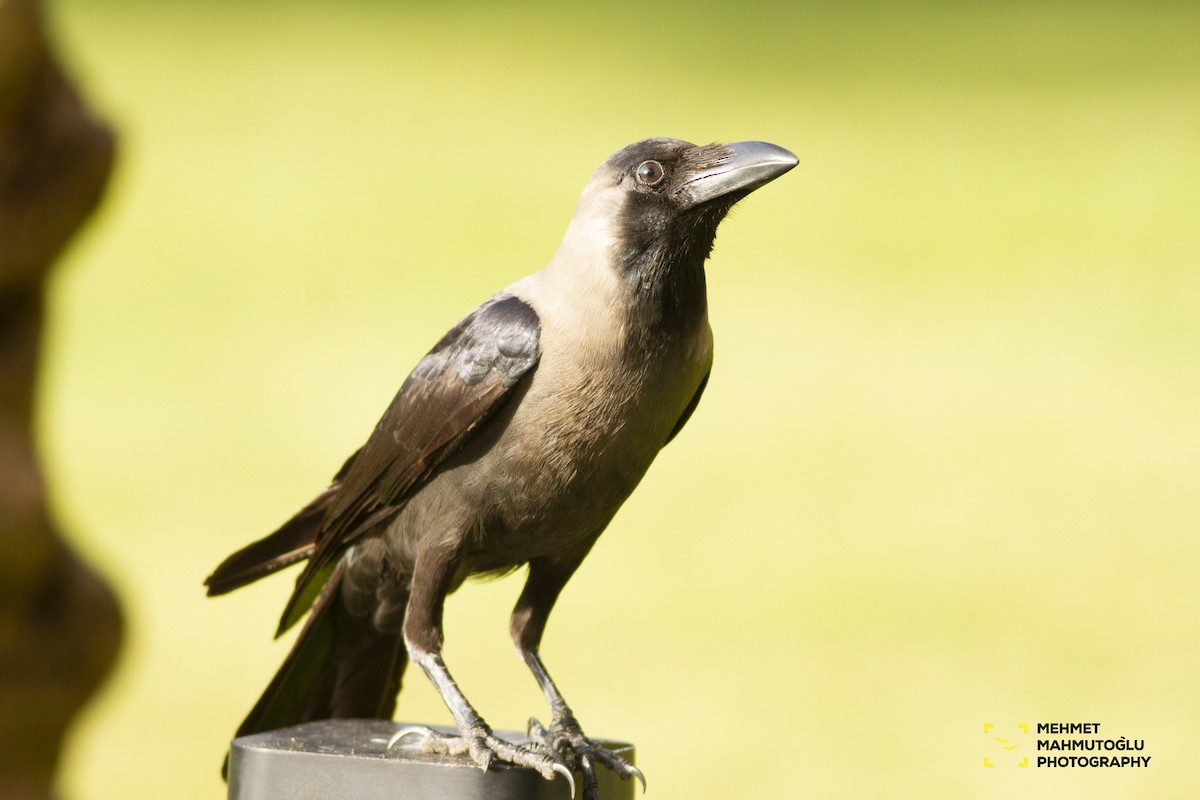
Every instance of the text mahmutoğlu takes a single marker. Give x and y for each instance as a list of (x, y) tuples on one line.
[(1060, 729)]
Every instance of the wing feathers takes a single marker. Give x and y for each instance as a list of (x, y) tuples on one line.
[(456, 388), (294, 541)]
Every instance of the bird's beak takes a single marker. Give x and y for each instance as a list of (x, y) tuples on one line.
[(748, 166)]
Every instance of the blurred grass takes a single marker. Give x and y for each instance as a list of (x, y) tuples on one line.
[(946, 470)]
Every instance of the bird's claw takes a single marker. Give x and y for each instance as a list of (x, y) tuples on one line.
[(566, 773), (564, 741), (484, 747), (630, 771), (424, 731)]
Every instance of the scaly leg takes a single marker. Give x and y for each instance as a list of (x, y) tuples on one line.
[(564, 738), (423, 638)]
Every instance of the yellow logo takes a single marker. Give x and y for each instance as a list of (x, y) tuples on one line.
[(1006, 745)]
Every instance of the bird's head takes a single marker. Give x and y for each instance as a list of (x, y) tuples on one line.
[(653, 207), (667, 179)]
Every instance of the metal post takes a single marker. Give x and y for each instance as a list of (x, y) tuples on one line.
[(348, 759)]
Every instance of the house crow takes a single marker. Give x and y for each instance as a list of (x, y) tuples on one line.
[(514, 441)]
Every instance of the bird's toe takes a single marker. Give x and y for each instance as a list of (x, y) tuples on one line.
[(566, 742)]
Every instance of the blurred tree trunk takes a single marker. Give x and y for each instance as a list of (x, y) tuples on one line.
[(60, 624)]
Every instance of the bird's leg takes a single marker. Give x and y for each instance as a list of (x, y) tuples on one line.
[(565, 735), (423, 638), (564, 739)]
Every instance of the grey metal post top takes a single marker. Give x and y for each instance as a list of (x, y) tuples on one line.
[(348, 758)]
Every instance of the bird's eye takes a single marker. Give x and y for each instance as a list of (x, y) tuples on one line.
[(649, 173)]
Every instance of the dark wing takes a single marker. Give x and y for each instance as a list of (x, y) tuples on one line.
[(687, 412), (294, 541), (463, 380)]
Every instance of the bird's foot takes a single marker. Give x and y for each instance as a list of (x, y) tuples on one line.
[(565, 742), (484, 748)]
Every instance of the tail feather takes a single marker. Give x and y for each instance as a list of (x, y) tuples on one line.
[(294, 541), (341, 666), (349, 658)]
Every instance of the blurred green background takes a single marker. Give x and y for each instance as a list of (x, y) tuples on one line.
[(945, 472)]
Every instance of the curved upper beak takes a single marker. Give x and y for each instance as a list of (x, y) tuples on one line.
[(748, 166)]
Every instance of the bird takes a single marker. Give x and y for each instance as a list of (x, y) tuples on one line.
[(512, 443)]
